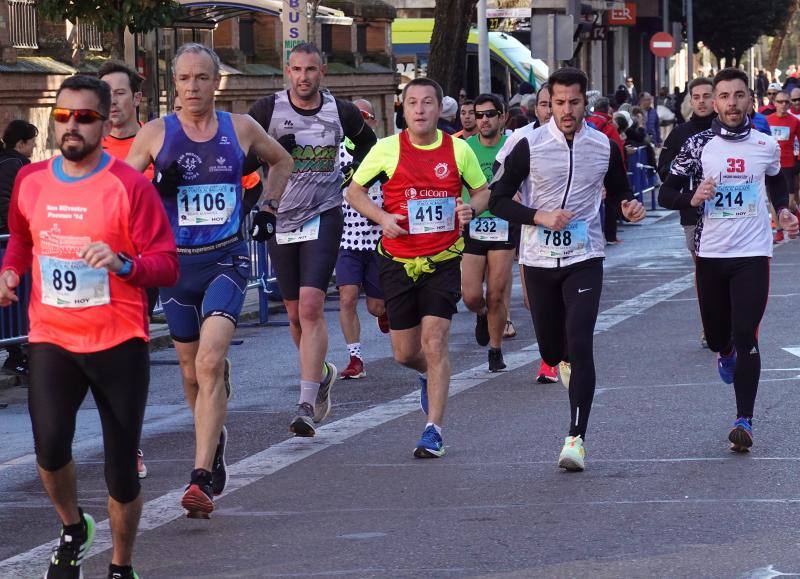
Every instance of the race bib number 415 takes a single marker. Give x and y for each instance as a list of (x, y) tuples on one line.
[(733, 201), (71, 283), (570, 241), (431, 215), (206, 204)]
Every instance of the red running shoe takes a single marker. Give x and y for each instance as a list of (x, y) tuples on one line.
[(197, 500), (383, 323), (354, 370), (778, 238), (547, 374)]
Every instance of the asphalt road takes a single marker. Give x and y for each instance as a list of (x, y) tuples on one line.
[(662, 495)]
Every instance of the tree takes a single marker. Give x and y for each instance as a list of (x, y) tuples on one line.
[(780, 36), (452, 21), (114, 16), (730, 27)]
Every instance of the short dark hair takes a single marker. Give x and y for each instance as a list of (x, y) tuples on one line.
[(730, 73), (97, 86), (306, 48), (112, 66), (602, 105), (569, 76), (16, 131), (699, 81), (425, 81), (546, 87), (491, 98), (516, 121), (466, 102)]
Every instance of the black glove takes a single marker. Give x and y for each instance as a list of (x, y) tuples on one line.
[(251, 163), (166, 182), (347, 174), (263, 226), (288, 142)]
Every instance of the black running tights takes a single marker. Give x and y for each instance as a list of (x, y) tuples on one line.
[(564, 304), (118, 378), (733, 296)]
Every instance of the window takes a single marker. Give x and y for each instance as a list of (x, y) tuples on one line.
[(326, 43), (247, 41), (361, 38), (89, 37), (22, 23)]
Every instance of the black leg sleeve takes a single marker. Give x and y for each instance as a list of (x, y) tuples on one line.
[(543, 287)]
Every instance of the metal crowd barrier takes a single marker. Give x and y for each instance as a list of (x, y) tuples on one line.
[(14, 318), (642, 176)]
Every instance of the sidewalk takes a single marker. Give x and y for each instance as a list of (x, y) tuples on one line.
[(159, 333)]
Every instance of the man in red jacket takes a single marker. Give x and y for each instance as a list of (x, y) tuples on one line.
[(602, 121), (785, 129)]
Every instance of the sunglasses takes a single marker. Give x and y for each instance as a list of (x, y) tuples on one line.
[(82, 116), (771, 93), (781, 102), (796, 100), (488, 114), (367, 116)]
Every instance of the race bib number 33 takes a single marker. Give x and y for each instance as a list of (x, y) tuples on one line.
[(431, 215), (733, 201), (570, 241), (71, 283), (206, 204)]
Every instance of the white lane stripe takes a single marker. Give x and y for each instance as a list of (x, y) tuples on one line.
[(166, 508)]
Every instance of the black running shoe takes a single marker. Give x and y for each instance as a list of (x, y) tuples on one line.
[(482, 330), (303, 422), (219, 472), (67, 558), (496, 363), (121, 572)]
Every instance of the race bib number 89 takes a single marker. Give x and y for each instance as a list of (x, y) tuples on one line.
[(733, 201), (71, 283), (431, 215), (206, 204), (570, 241)]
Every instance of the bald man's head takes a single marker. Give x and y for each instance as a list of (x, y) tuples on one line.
[(366, 111)]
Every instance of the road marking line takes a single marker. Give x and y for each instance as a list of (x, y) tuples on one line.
[(166, 508)]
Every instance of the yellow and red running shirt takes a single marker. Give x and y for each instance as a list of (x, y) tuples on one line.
[(421, 183), (52, 217)]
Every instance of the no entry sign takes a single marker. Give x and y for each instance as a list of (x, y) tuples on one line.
[(662, 44)]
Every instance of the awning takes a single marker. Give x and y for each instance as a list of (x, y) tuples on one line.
[(204, 12)]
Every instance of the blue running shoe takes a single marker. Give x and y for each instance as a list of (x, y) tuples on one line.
[(741, 435), (727, 366), (430, 445), (423, 394)]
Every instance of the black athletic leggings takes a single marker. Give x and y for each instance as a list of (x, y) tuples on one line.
[(733, 296), (564, 305), (119, 378)]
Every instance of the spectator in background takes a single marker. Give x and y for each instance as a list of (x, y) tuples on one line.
[(651, 122), (758, 120), (462, 96), (761, 85), (630, 88), (516, 121), (523, 89), (602, 121), (621, 96), (666, 112), (447, 118), (16, 150), (528, 107), (677, 99)]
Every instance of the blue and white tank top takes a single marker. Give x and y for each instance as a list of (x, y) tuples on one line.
[(208, 207)]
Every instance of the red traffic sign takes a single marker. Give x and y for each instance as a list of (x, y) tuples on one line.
[(662, 44)]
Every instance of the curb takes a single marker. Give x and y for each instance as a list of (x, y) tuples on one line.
[(160, 339)]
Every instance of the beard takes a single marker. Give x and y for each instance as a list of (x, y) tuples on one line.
[(77, 151)]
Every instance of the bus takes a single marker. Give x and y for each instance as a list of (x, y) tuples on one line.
[(511, 61)]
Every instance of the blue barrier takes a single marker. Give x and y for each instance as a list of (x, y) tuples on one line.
[(642, 176)]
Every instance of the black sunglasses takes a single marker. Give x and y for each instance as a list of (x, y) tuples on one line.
[(796, 100), (490, 114)]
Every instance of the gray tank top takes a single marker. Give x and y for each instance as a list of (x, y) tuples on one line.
[(315, 184)]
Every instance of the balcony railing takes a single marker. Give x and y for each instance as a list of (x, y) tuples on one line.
[(89, 37), (22, 23)]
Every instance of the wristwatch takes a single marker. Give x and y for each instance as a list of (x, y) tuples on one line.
[(127, 265), (272, 204)]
